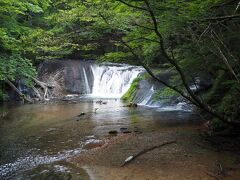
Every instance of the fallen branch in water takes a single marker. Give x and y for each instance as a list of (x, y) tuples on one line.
[(131, 158), (21, 95), (44, 86)]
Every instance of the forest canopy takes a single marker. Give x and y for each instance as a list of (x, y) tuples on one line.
[(191, 38)]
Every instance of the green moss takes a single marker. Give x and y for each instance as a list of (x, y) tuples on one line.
[(130, 94)]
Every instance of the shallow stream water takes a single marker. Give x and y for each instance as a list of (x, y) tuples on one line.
[(36, 139)]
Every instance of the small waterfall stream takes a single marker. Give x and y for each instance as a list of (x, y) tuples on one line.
[(113, 81), (88, 90)]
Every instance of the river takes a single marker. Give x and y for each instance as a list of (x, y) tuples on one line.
[(36, 139)]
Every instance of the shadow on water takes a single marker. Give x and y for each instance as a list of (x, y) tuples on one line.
[(36, 139)]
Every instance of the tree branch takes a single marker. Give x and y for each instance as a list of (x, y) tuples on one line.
[(131, 158), (144, 27), (130, 5), (220, 18), (223, 4), (142, 38)]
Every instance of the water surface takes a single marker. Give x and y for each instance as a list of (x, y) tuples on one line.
[(36, 139)]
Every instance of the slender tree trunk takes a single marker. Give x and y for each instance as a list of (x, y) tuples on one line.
[(21, 95)]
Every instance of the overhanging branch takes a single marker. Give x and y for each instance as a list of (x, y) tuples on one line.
[(130, 5), (223, 18)]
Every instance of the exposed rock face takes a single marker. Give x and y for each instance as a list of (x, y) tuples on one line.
[(73, 76), (52, 72), (146, 89)]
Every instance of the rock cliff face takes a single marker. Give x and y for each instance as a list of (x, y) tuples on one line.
[(75, 77)]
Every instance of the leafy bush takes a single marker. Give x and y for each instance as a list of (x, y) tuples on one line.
[(15, 67)]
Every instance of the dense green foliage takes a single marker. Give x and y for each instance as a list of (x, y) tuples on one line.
[(18, 32), (16, 67), (201, 36)]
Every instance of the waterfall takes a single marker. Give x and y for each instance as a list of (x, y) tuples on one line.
[(101, 80), (88, 90), (113, 81), (147, 97), (107, 80)]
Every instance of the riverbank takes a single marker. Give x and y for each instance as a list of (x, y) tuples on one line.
[(191, 157)]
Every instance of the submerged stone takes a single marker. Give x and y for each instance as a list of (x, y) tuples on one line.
[(113, 132)]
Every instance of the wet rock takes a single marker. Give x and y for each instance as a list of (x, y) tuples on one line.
[(132, 105), (137, 130), (95, 110), (93, 143), (99, 102), (82, 114), (113, 132), (64, 99), (124, 130)]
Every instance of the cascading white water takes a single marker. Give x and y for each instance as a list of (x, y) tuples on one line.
[(88, 90), (147, 97), (113, 81)]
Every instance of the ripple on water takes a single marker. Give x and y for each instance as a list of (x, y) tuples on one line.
[(9, 170)]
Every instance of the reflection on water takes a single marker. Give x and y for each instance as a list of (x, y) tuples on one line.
[(36, 139)]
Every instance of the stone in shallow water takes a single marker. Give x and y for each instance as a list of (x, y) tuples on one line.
[(52, 129), (113, 132), (124, 130), (93, 143), (82, 114)]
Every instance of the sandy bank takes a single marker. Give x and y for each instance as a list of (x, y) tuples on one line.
[(190, 158)]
